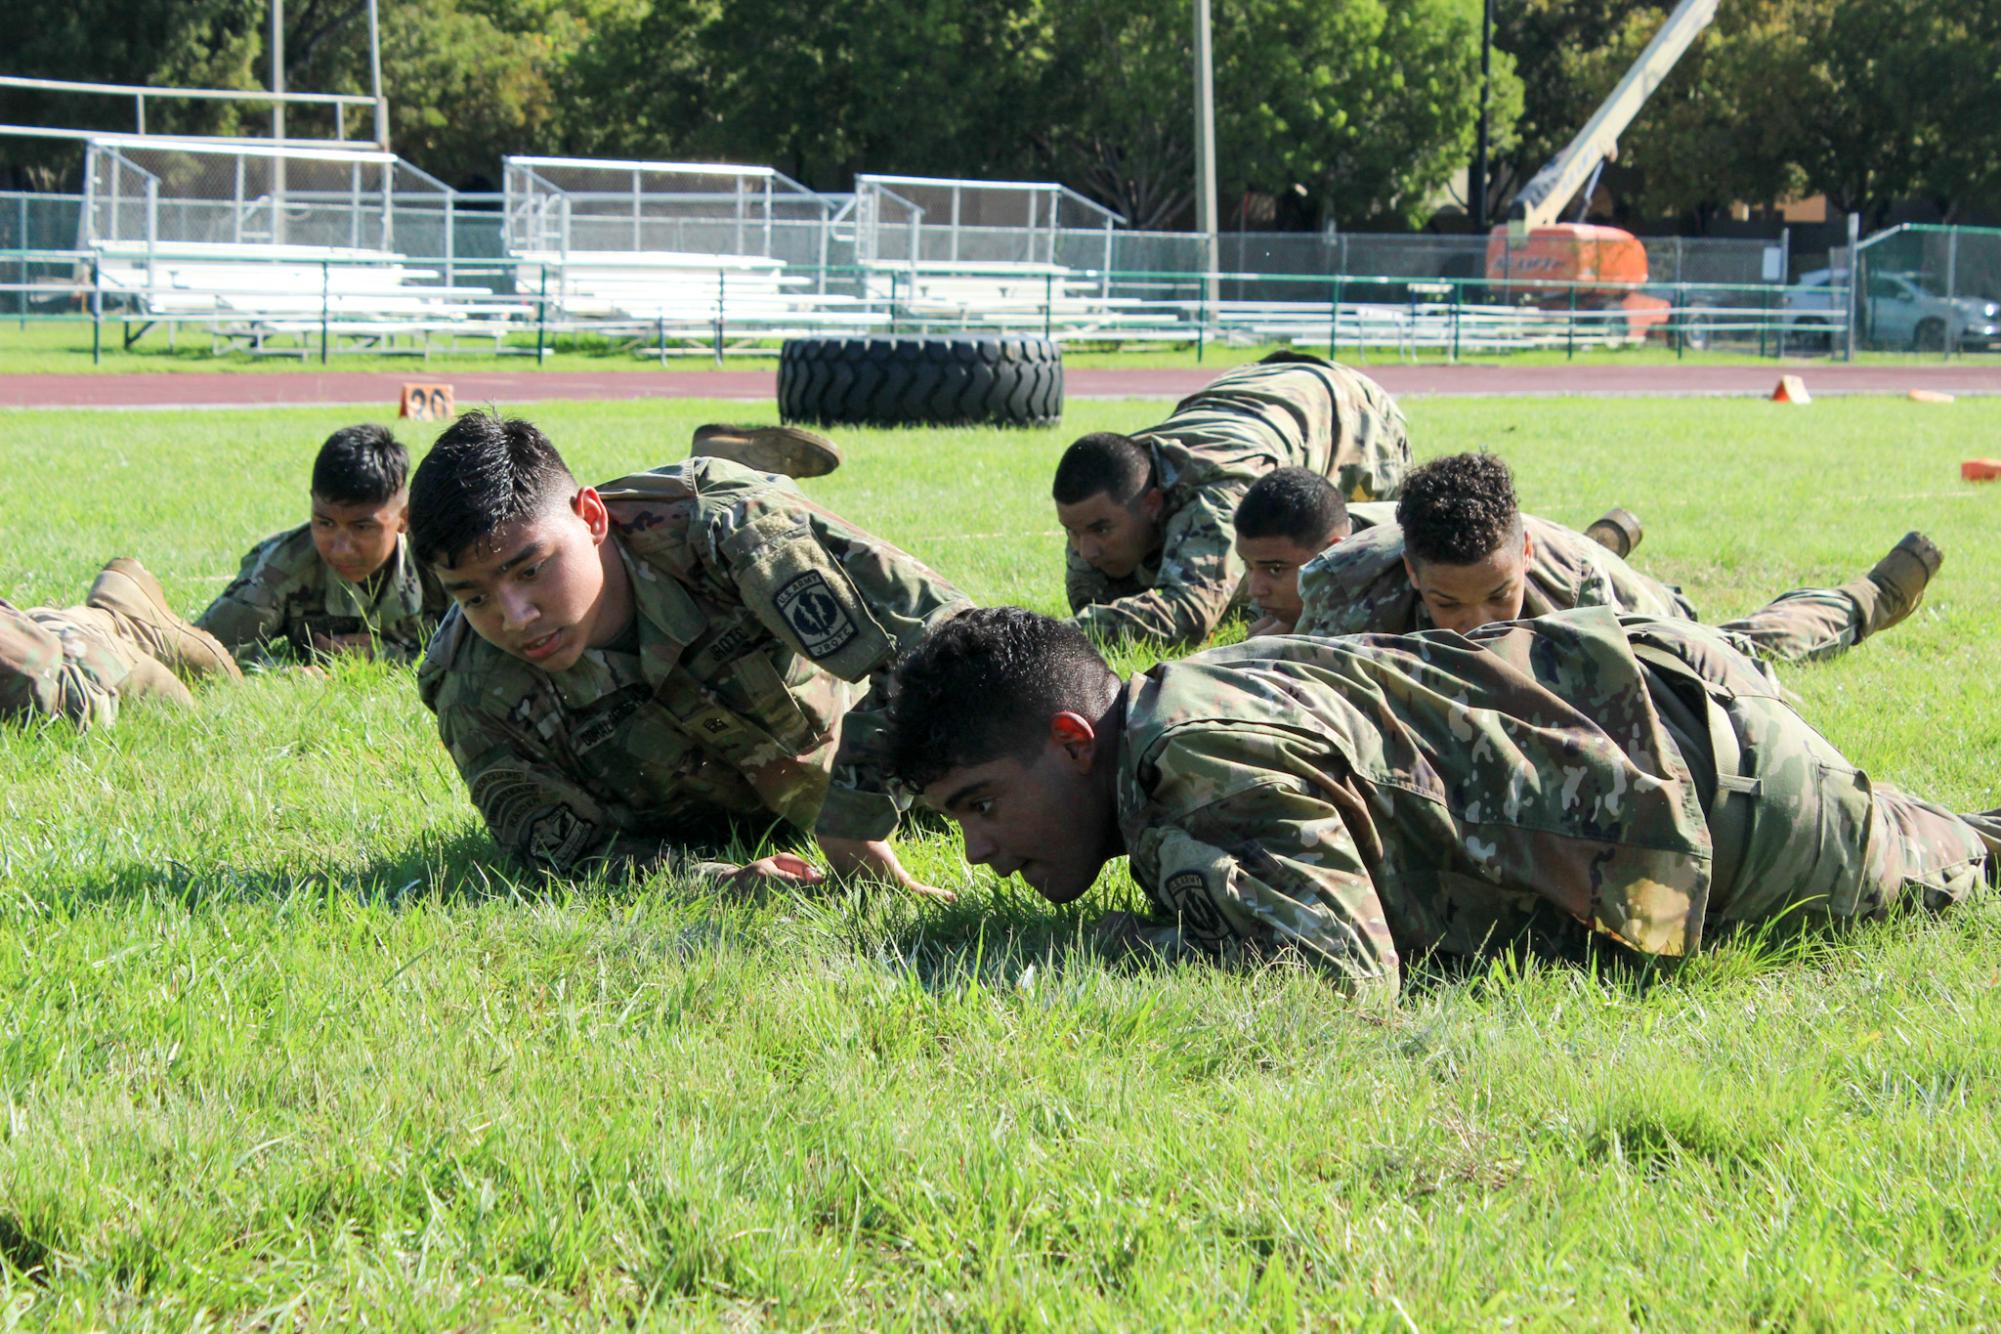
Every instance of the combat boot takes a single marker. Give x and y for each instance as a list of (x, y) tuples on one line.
[(1618, 531), (1896, 584), (791, 450), (149, 677), (128, 591)]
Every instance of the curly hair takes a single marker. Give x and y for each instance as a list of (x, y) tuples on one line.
[(1458, 510), (984, 685), (1297, 504)]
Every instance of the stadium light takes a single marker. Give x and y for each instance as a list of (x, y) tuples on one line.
[(1205, 146)]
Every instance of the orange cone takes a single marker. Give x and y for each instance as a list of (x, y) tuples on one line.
[(1928, 396), (1792, 389), (1980, 470)]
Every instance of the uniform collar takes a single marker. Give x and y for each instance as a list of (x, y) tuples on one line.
[(399, 589), (669, 617)]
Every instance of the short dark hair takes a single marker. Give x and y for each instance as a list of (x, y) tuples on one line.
[(1102, 462), (361, 465), (1458, 510), (984, 685), (1297, 504), (483, 474)]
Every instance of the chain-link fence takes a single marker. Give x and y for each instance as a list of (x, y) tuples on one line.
[(1098, 283), (150, 192), (1930, 289), (559, 206)]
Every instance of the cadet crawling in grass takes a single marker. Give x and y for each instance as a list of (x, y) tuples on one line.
[(344, 581), (1366, 801), (1148, 516), (638, 673), (1461, 554)]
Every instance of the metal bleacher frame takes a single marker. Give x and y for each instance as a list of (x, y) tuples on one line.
[(676, 257), (246, 238)]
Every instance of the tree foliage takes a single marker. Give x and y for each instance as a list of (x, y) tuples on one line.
[(1362, 110)]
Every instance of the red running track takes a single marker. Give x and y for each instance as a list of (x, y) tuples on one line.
[(203, 389)]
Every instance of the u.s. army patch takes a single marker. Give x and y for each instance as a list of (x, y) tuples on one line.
[(815, 615)]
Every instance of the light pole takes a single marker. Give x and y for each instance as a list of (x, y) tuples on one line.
[(375, 77), (1205, 147), (1479, 191)]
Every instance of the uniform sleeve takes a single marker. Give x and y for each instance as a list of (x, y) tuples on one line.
[(1341, 594), (1268, 866), (249, 616), (851, 604), (1197, 578), (1082, 585), (538, 816)]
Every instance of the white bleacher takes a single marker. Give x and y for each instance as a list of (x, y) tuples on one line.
[(701, 252), (246, 239)]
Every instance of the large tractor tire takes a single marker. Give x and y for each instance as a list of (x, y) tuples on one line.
[(921, 381)]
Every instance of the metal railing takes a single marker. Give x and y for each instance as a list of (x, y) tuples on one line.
[(324, 306)]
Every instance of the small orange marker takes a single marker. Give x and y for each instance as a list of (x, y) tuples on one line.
[(1792, 389), (1928, 396), (1980, 470), (426, 402)]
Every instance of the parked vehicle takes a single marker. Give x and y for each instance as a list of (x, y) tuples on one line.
[(1898, 310)]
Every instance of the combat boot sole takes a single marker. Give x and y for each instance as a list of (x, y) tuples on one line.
[(1896, 584), (129, 592), (790, 450), (1618, 531)]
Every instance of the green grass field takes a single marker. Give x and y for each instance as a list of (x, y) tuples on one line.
[(285, 1048)]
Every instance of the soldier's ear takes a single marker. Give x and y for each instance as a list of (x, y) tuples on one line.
[(1410, 572), (1077, 738), (589, 506), (1150, 501)]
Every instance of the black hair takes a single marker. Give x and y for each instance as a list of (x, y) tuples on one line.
[(1102, 462), (361, 465), (483, 474), (1297, 504), (1458, 510), (985, 685)]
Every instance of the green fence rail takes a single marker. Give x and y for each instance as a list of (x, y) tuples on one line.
[(289, 305)]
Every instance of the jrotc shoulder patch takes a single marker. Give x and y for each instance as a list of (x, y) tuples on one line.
[(556, 838), (1187, 892), (815, 615)]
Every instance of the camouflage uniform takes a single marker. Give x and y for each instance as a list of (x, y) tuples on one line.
[(1371, 799), (71, 663), (1274, 414), (757, 612), (286, 603), (1358, 586)]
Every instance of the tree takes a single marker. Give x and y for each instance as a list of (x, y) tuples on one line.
[(166, 43)]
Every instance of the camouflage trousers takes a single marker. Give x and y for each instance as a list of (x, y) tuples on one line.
[(1804, 625), (1797, 828), (71, 663)]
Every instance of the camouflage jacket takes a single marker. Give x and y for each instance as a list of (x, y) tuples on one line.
[(1251, 421), (1358, 586), (756, 610), (286, 604), (1366, 800)]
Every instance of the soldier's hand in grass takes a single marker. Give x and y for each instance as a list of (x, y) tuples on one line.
[(781, 868), (874, 859), (1269, 625)]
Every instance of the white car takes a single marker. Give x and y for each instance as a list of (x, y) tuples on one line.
[(1898, 311)]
